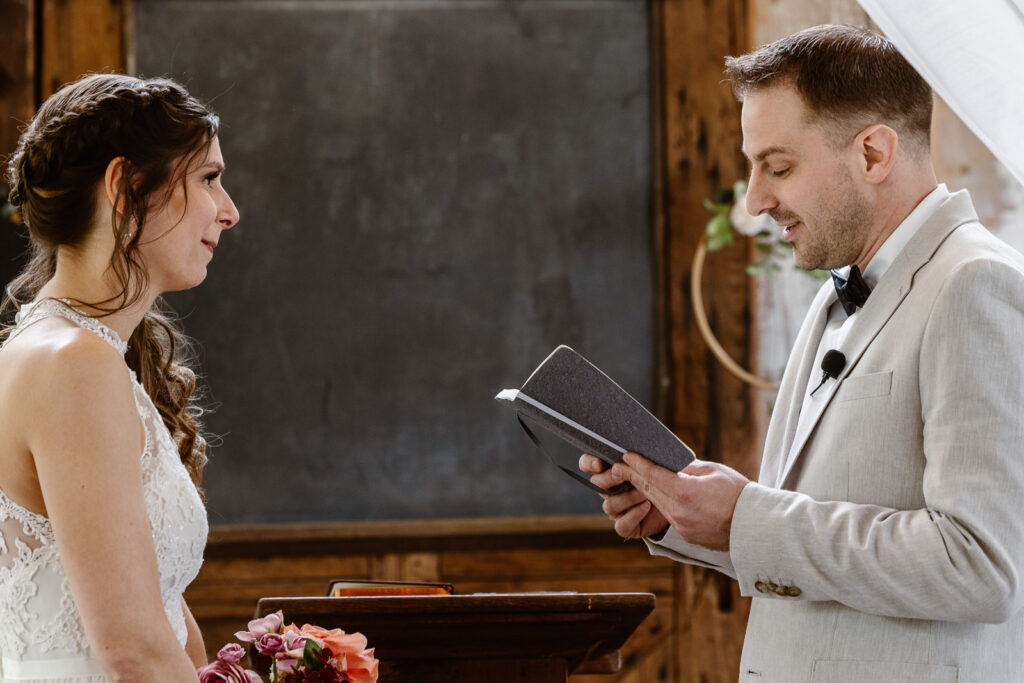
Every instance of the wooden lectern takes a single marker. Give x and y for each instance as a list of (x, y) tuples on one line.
[(494, 638)]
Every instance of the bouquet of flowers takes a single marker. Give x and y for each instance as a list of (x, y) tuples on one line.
[(309, 654)]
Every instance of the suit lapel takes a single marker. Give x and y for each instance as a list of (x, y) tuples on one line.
[(782, 430), (885, 299)]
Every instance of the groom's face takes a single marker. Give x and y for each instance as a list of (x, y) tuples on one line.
[(804, 179)]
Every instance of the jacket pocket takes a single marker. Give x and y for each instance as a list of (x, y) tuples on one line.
[(864, 386), (854, 671)]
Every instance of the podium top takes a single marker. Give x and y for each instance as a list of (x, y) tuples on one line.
[(573, 626)]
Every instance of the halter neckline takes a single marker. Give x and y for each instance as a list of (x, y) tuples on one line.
[(37, 310)]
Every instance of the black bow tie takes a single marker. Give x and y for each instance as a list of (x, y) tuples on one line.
[(852, 290)]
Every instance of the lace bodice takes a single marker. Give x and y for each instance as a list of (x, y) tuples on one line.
[(39, 621)]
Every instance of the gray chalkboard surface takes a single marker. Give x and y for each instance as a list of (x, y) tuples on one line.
[(434, 194)]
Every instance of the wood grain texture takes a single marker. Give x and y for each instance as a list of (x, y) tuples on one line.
[(530, 626), (17, 71), (711, 410), (593, 560), (17, 102), (80, 37)]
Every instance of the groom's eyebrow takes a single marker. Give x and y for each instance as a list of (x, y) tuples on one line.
[(769, 151)]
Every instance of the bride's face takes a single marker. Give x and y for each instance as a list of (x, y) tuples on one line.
[(178, 240)]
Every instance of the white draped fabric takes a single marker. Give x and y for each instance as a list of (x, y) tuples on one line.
[(972, 54)]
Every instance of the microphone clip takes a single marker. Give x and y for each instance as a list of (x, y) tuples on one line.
[(831, 365)]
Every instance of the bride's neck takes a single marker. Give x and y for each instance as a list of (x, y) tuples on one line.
[(85, 279)]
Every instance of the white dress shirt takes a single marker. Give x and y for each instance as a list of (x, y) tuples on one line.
[(838, 326)]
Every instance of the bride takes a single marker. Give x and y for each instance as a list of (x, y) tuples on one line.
[(102, 525)]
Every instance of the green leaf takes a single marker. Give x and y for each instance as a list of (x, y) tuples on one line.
[(719, 231), (739, 187), (754, 269), (309, 656), (710, 205)]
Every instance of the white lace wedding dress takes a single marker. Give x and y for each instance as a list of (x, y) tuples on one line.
[(41, 634)]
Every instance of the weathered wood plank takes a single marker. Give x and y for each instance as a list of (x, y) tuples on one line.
[(711, 621), (79, 38), (500, 563), (17, 71), (710, 409)]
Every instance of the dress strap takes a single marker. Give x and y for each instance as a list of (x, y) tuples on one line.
[(44, 308)]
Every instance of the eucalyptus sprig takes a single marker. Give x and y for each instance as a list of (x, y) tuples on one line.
[(730, 217)]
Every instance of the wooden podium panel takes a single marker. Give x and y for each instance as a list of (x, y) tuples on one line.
[(540, 637)]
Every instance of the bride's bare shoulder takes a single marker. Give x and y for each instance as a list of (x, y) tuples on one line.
[(55, 369)]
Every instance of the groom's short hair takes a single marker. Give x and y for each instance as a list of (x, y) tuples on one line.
[(848, 77)]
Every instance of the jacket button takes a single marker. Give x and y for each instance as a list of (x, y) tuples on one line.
[(761, 587), (793, 591), (780, 590)]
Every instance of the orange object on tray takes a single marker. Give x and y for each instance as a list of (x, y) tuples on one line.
[(345, 588)]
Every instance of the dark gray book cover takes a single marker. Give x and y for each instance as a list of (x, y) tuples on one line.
[(573, 399)]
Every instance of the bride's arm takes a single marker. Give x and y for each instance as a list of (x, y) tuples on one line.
[(195, 647), (86, 438)]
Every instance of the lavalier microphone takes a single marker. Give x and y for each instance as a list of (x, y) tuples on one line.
[(831, 365)]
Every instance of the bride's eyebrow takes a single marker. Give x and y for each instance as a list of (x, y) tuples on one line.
[(212, 166)]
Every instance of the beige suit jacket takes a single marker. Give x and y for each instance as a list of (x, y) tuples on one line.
[(884, 540)]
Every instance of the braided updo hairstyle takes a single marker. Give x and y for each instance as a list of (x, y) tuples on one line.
[(55, 173)]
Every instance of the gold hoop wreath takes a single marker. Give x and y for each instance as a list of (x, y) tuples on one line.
[(697, 298)]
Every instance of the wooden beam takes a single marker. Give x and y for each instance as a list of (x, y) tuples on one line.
[(17, 70), (17, 103), (709, 408), (80, 37)]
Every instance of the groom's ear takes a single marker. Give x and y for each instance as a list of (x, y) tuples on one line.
[(875, 148)]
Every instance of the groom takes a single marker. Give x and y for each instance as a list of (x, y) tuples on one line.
[(884, 538)]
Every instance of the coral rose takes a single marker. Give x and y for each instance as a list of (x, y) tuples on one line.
[(348, 649)]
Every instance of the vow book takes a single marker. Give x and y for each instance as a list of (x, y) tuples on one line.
[(571, 398)]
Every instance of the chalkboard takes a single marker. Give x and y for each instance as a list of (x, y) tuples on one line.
[(434, 194)]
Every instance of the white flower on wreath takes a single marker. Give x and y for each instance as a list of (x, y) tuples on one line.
[(743, 222)]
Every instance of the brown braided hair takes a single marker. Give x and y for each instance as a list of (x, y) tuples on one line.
[(62, 156)]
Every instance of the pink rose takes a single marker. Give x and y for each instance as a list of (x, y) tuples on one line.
[(227, 672), (260, 627), (270, 643), (231, 653)]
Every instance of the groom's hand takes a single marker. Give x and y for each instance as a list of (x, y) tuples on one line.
[(632, 512), (698, 502)]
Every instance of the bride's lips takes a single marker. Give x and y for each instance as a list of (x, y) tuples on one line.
[(209, 245)]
